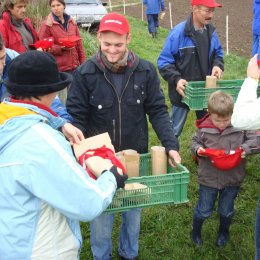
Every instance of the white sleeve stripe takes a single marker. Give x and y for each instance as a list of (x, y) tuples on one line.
[(68, 160)]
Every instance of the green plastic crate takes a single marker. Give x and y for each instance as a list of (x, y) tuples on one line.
[(161, 189), (196, 95)]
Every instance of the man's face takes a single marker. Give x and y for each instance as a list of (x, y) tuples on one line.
[(18, 11), (113, 45), (2, 61), (202, 15)]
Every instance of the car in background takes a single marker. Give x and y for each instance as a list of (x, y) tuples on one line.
[(87, 13)]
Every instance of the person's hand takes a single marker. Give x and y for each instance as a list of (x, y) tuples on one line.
[(217, 72), (243, 154), (162, 15), (199, 150), (181, 86), (67, 48), (73, 134), (174, 158), (97, 165), (253, 69), (120, 178)]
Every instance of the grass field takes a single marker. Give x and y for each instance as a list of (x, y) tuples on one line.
[(165, 230)]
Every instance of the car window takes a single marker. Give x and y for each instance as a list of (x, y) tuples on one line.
[(82, 2)]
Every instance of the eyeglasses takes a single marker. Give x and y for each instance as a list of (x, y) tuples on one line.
[(207, 10)]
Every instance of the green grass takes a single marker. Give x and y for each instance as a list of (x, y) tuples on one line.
[(165, 230)]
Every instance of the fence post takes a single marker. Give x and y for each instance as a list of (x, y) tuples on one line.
[(124, 6), (142, 10), (227, 50), (110, 6), (170, 12)]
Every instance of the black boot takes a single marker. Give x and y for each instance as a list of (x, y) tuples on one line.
[(223, 233), (196, 231)]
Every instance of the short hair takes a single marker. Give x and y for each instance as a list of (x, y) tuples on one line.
[(9, 4), (1, 42), (220, 103), (60, 1)]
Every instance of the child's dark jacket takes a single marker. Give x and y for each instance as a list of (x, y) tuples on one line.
[(208, 136)]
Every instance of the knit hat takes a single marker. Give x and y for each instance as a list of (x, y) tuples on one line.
[(35, 73), (208, 3), (114, 22), (223, 160)]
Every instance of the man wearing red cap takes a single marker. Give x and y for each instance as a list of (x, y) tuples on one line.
[(113, 92), (191, 52), (220, 174)]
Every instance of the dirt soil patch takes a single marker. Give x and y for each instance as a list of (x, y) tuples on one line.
[(239, 14)]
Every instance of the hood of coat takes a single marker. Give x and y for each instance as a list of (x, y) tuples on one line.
[(205, 122), (16, 118)]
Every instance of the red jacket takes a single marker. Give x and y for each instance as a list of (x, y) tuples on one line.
[(12, 38), (67, 59)]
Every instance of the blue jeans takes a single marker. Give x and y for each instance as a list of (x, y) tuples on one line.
[(101, 235), (257, 231), (256, 45), (207, 198), (179, 116), (153, 22)]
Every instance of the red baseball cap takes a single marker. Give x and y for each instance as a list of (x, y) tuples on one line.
[(208, 3), (222, 160), (114, 22)]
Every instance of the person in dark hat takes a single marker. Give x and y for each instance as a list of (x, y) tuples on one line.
[(113, 92), (220, 175), (73, 134), (41, 216), (190, 53)]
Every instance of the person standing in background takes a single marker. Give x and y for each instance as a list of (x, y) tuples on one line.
[(17, 30), (191, 52), (58, 24), (153, 8)]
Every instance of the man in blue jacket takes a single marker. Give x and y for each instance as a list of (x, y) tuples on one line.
[(191, 52), (113, 92), (256, 29), (73, 134), (153, 8)]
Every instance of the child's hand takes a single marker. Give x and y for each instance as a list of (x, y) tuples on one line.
[(199, 150), (243, 154)]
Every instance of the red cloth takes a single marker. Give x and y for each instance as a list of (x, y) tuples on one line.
[(69, 42), (45, 44), (103, 152), (12, 38), (222, 160)]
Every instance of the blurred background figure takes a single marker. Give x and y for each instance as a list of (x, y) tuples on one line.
[(256, 29), (59, 25), (153, 8)]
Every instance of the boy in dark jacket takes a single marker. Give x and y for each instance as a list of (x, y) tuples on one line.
[(221, 149)]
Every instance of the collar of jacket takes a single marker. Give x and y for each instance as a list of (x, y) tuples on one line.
[(8, 111), (189, 27), (50, 20), (131, 66), (7, 17)]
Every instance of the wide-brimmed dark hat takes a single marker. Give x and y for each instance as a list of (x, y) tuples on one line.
[(35, 73)]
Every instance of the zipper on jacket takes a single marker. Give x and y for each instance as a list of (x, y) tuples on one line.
[(114, 129), (119, 105)]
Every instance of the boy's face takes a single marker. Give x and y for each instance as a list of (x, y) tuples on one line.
[(220, 122)]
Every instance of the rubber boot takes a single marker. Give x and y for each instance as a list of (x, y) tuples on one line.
[(196, 231), (223, 233), (153, 35)]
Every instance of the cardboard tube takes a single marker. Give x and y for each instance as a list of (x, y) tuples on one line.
[(159, 160), (132, 163), (211, 82)]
